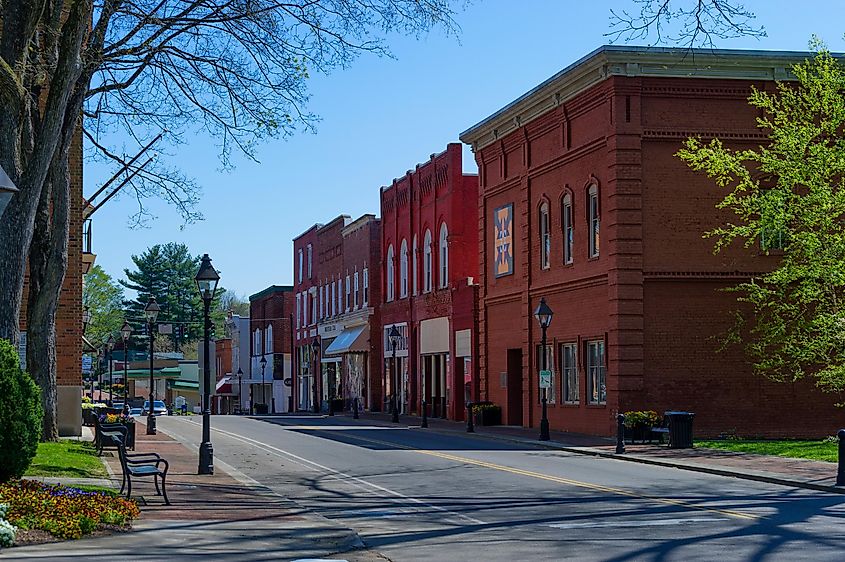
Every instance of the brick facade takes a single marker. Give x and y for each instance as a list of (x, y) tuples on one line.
[(430, 311), (611, 124), (305, 275), (270, 313)]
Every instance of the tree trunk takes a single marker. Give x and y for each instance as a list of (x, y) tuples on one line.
[(47, 266)]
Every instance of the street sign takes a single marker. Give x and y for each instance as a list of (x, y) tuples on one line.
[(545, 379), (87, 364), (165, 328)]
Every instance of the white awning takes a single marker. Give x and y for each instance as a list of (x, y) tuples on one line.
[(350, 340)]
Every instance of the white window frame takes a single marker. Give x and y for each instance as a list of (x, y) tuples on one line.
[(544, 220), (569, 373), (313, 294), (310, 260), (355, 291), (389, 273), (403, 270), (256, 342), (366, 298), (415, 273), (268, 339), (334, 298), (596, 372), (594, 224), (568, 228), (301, 263), (444, 256), (348, 294), (298, 310), (427, 259)]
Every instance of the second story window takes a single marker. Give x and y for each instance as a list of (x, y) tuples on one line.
[(593, 215), (414, 268), (355, 291), (427, 262), (403, 270), (545, 236), (298, 310), (256, 342), (334, 299), (568, 230), (348, 294), (366, 286), (313, 306), (389, 272), (444, 256), (268, 339), (301, 264)]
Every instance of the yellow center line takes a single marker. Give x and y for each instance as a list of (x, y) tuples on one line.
[(560, 480)]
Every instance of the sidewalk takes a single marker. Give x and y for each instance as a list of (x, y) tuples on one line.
[(801, 473), (216, 516)]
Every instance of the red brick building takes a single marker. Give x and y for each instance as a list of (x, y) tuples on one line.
[(304, 333), (429, 273), (270, 385), (584, 202)]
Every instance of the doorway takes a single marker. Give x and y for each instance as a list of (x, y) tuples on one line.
[(514, 389)]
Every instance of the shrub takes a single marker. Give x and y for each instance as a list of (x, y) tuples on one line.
[(646, 418), (21, 415)]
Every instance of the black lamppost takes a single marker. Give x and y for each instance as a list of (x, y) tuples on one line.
[(394, 336), (86, 318), (151, 312), (125, 332), (315, 347), (263, 364), (207, 279), (7, 190), (109, 347), (240, 391), (543, 314)]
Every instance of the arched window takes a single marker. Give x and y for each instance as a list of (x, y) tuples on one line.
[(256, 342), (403, 270), (268, 339), (391, 278), (416, 275), (593, 210), (545, 236), (568, 230), (427, 262), (444, 256)]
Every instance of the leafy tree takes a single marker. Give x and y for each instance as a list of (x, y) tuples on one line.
[(20, 415), (791, 192), (104, 299), (230, 301), (166, 272), (235, 70)]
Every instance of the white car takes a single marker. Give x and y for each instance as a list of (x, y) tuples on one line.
[(159, 409)]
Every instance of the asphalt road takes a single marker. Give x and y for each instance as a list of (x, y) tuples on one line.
[(412, 494)]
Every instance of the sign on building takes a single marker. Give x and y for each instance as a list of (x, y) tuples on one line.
[(545, 379)]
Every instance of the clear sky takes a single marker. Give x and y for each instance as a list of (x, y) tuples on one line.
[(381, 117)]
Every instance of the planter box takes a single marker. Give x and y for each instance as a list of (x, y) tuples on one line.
[(488, 416), (639, 433)]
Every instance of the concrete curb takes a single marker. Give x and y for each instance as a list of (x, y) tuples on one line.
[(767, 478)]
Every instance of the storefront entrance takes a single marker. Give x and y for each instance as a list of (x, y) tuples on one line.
[(435, 389)]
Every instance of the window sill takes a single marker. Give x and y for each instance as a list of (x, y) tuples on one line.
[(571, 405), (600, 406)]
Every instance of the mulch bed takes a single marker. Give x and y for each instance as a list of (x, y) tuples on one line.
[(38, 536)]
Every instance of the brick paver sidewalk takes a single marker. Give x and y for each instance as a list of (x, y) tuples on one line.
[(780, 470)]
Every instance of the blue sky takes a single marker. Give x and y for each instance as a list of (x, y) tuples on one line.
[(382, 116)]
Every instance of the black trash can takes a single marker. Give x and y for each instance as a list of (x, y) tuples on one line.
[(680, 429), (261, 409)]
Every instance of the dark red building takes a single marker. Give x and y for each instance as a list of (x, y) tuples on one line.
[(584, 202), (270, 385), (429, 274), (304, 322)]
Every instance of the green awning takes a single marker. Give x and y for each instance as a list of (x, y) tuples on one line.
[(186, 385)]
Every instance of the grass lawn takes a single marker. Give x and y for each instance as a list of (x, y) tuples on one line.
[(813, 450), (67, 458)]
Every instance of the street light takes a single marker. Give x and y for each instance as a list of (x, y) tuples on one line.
[(151, 313), (7, 190), (543, 314), (263, 364), (240, 391), (125, 332), (207, 279), (315, 346), (394, 336), (109, 347)]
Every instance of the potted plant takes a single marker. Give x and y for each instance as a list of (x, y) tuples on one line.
[(487, 413), (90, 411), (638, 424)]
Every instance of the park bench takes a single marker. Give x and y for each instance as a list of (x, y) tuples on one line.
[(142, 465), (108, 435), (660, 430)]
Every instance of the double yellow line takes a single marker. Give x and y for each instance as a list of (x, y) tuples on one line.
[(561, 480)]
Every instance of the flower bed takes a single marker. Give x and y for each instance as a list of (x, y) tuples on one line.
[(64, 512)]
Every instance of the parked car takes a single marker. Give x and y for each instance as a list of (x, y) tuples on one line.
[(135, 412), (159, 409)]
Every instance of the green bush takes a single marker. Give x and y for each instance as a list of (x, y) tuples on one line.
[(21, 415), (646, 418)]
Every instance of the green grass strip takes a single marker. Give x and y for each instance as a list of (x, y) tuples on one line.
[(813, 450), (73, 459)]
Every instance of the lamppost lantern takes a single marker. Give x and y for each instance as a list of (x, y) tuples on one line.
[(7, 190), (544, 314), (394, 334), (125, 331), (207, 279), (151, 311)]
